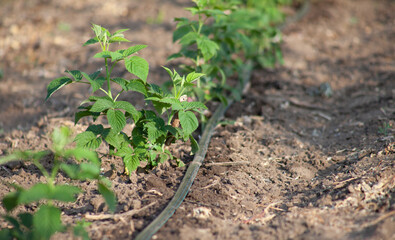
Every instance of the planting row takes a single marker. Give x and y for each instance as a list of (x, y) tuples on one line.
[(218, 39)]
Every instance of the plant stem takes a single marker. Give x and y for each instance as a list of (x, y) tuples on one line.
[(108, 78)]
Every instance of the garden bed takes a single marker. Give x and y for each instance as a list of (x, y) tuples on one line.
[(296, 159)]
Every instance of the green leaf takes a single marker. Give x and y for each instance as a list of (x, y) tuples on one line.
[(137, 66), (121, 81), (193, 105), (37, 192), (79, 230), (26, 219), (118, 39), (208, 47), (82, 153), (131, 50), (181, 32), (94, 75), (189, 38), (82, 114), (41, 191), (188, 121), (121, 31), (193, 76), (102, 105), (171, 74), (46, 222), (155, 129), (95, 83), (129, 108), (116, 119), (108, 195), (131, 163), (137, 86), (115, 56), (91, 41), (82, 171), (10, 201), (76, 74), (103, 54), (194, 144), (88, 140), (174, 103), (64, 193), (23, 155), (56, 85), (174, 56)]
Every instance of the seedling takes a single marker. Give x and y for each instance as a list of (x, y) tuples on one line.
[(384, 129), (47, 219), (151, 133)]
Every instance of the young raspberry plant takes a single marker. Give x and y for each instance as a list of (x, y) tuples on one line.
[(46, 221), (152, 130)]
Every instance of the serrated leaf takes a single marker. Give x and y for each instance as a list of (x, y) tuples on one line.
[(154, 131), (91, 41), (188, 121), (121, 81), (102, 105), (189, 38), (82, 114), (133, 49), (118, 39), (56, 85), (129, 108), (95, 83), (181, 32), (131, 163), (208, 47), (137, 86), (120, 31), (88, 140), (108, 195), (116, 119), (113, 138), (46, 222), (193, 76), (104, 54), (76, 74), (94, 75), (137, 66)]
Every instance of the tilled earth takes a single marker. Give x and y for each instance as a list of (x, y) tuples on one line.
[(304, 155)]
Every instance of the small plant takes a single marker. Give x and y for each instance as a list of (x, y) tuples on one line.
[(225, 35), (47, 219), (384, 129), (151, 132)]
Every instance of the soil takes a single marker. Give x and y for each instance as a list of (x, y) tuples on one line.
[(305, 154)]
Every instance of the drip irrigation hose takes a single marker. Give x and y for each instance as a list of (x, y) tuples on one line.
[(194, 166)]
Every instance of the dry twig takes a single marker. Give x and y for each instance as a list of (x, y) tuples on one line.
[(118, 216)]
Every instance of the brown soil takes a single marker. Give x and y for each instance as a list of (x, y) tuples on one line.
[(296, 164)]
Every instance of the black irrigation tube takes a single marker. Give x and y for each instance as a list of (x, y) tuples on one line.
[(193, 168)]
